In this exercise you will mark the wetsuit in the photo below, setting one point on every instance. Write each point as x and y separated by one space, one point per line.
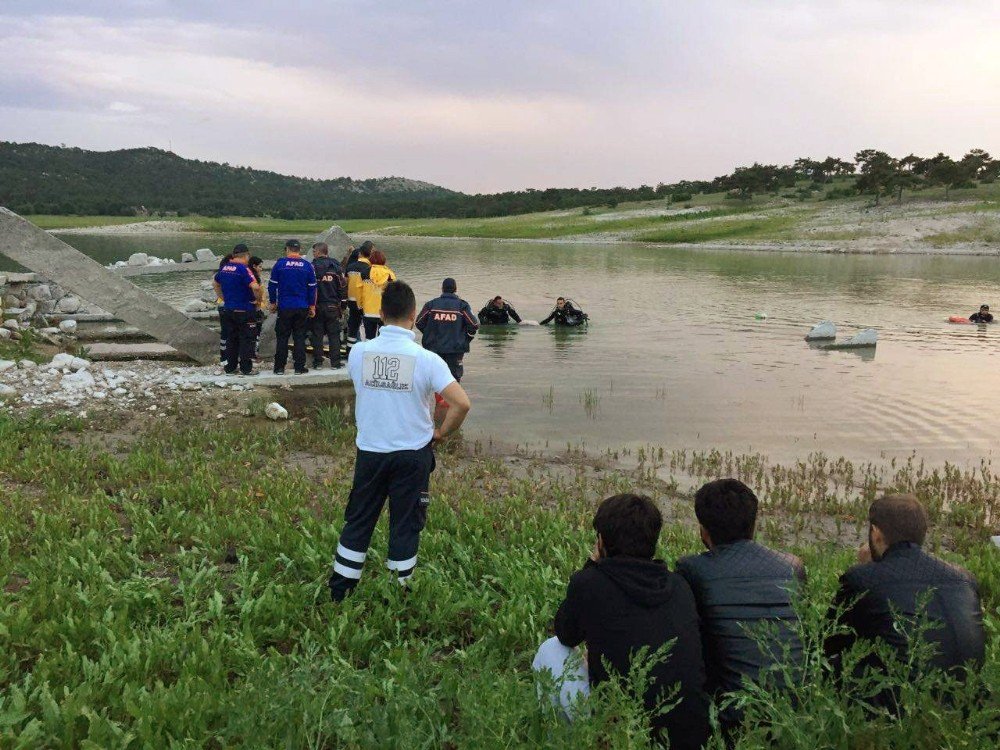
491 315
331 293
448 327
981 317
567 316
358 270
293 288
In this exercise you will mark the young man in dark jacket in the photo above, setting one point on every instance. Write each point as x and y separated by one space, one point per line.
331 296
358 269
896 584
291 291
744 593
448 327
622 601
565 314
496 312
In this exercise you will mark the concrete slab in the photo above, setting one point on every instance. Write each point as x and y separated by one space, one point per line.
37 250
122 352
268 378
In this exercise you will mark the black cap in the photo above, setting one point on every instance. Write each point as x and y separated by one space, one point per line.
241 249
293 243
449 285
984 307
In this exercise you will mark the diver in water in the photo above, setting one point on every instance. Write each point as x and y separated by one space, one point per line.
566 314
983 316
496 312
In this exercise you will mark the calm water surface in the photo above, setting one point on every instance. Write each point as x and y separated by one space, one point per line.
674 356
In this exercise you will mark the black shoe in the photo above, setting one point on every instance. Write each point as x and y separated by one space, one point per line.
227 371
303 371
336 365
317 364
279 372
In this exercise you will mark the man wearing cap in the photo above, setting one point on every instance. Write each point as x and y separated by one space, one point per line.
331 291
292 294
448 326
241 294
395 381
983 316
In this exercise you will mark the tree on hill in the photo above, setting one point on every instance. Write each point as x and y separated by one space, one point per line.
951 174
879 173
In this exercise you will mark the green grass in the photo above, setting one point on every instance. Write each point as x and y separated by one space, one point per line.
166 588
763 228
983 231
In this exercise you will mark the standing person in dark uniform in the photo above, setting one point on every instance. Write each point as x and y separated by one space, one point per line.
331 294
566 314
358 269
223 321
448 327
241 294
498 313
395 381
292 293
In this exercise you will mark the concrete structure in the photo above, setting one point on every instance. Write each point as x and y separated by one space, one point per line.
23 242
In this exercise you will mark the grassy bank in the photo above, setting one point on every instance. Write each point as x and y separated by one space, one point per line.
164 586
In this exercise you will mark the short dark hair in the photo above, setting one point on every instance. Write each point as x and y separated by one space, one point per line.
322 248
629 525
497 297
727 509
255 261
398 300
449 286
293 245
560 298
900 518
366 248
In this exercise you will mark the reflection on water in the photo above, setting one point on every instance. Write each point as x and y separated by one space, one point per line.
675 356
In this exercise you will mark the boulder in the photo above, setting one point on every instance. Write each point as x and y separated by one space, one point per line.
197 305
138 259
204 254
7 390
11 325
61 360
187 258
79 363
7 364
4 334
69 305
68 326
77 380
275 411
822 331
40 292
27 364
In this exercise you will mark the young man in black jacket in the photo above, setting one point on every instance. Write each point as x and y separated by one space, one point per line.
331 296
622 601
448 327
744 593
895 584
496 312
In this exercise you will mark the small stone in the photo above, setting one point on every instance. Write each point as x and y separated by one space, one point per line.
77 380
138 259
40 292
50 331
12 325
4 334
68 326
275 411
7 364
69 305
27 364
7 390
78 363
187 258
190 386
61 360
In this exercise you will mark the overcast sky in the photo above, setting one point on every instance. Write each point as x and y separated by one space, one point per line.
484 96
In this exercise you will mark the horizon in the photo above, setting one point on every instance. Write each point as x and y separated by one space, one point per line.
479 101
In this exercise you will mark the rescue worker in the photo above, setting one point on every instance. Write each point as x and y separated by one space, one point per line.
357 269
395 381
496 312
566 314
241 294
292 294
448 327
371 293
257 268
223 321
983 316
331 293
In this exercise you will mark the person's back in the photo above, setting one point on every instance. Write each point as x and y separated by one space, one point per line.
357 273
625 601
898 589
331 287
371 293
446 322
744 593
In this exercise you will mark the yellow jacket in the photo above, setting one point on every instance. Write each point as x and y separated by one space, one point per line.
370 298
357 272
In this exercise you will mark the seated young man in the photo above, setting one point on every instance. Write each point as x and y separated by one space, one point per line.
743 590
623 600
896 583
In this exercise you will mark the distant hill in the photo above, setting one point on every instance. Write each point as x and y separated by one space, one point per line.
56 180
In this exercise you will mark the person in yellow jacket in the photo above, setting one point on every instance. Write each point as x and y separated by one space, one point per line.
357 267
371 293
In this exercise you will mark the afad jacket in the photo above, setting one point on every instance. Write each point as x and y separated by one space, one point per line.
357 273
370 300
447 325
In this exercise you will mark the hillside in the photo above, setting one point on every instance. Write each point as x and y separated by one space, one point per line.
48 179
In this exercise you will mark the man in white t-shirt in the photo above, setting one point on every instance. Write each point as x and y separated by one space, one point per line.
395 380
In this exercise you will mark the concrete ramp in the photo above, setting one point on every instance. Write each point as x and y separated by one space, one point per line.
23 242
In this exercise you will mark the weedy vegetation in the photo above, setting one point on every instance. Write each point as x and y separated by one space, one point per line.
165 587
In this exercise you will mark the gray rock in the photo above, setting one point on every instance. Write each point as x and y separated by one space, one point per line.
77 380
69 304
4 334
204 254
68 326
7 364
61 360
6 390
40 292
138 259
276 411
12 325
27 364
46 306
822 331
187 258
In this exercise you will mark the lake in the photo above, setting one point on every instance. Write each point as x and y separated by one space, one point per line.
674 356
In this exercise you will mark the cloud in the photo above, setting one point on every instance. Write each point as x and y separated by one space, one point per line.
490 96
